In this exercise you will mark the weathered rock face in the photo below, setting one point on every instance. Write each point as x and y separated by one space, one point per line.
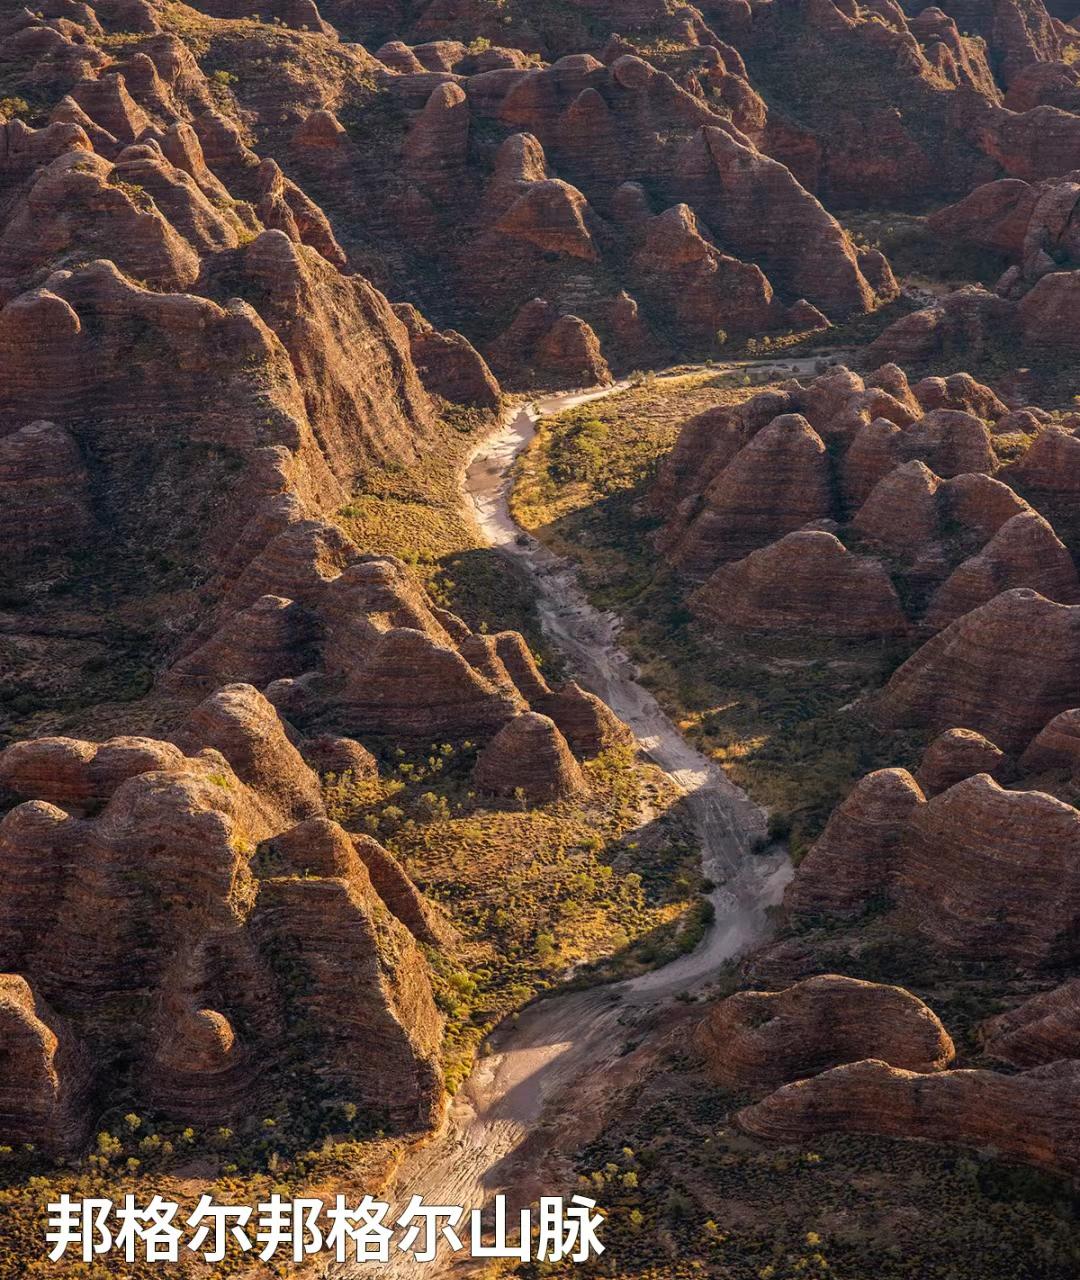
705 290
1044 1029
978 871
171 896
435 149
968 673
370 654
1051 467
325 321
529 755
327 754
586 722
860 144
773 485
413 686
1028 1117
1055 746
44 1073
80 775
400 895
969 320
368 988
555 347
448 364
1024 552
955 755
199 1071
1043 313
240 723
851 862
806 580
900 513
960 392
750 479
759 1040
269 640
565 210
1030 224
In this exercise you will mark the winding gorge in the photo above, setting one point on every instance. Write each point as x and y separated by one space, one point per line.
540 625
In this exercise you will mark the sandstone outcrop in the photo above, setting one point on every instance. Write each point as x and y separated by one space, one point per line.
448 364
1044 1029
971 320
759 1039
955 755
586 722
199 1072
705 290
328 754
240 723
961 393
1024 552
1049 468
44 1073
269 640
1028 1117
44 496
413 686
189 885
560 347
978 871
773 485
806 580
1055 746
851 862
435 149
968 673
80 775
529 755
930 534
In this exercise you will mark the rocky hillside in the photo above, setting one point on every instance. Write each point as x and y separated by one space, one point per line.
293 807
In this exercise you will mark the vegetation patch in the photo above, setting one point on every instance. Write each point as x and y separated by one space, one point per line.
785 715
